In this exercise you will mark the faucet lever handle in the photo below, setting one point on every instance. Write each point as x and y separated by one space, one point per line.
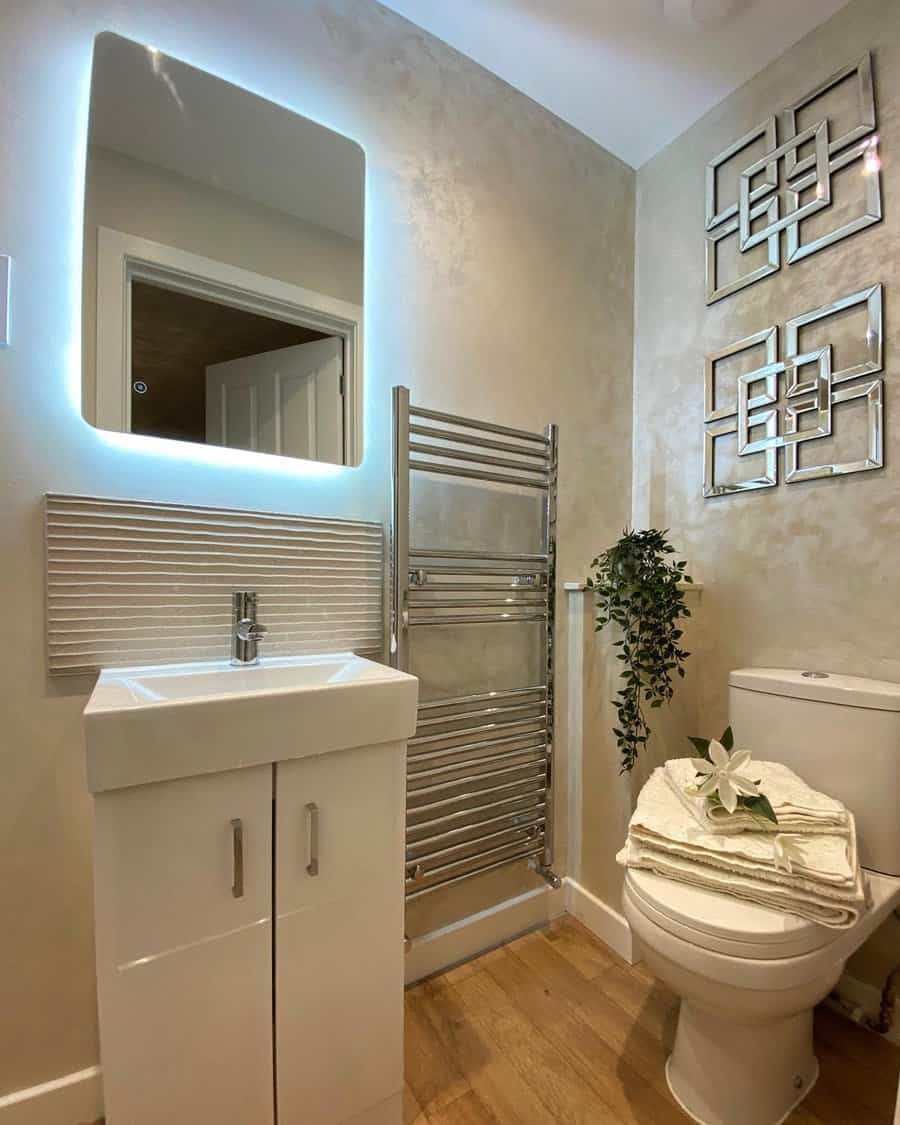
249 630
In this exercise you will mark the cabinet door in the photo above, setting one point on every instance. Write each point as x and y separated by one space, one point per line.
339 934
183 885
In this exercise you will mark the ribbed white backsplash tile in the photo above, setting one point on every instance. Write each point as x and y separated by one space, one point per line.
132 582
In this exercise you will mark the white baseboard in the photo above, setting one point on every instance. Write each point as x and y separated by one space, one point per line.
74 1099
465 939
609 925
857 995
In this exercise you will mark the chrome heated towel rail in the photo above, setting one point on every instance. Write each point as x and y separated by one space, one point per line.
480 767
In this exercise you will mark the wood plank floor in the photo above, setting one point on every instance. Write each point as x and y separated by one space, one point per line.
555 1028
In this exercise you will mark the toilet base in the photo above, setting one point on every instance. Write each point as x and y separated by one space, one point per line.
723 1073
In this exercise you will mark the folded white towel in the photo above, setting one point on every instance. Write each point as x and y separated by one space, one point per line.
826 883
834 914
660 821
798 806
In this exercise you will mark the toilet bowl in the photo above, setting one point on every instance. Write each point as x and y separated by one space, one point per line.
748 978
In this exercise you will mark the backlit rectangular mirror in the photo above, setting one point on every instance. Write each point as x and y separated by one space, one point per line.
223 264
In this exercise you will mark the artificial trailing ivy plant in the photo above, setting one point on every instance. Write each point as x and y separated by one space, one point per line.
638 587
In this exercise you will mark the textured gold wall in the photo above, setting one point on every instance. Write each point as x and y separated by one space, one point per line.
499 260
802 575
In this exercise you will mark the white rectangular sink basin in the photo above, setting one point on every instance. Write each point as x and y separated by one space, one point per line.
177 720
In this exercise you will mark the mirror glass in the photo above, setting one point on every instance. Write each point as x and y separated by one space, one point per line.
223 264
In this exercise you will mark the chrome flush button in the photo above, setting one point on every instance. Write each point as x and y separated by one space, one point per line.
814 675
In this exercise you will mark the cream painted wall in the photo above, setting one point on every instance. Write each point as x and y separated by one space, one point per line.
498 282
128 195
803 574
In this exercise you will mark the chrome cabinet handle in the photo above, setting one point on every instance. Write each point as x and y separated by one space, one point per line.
237 851
312 838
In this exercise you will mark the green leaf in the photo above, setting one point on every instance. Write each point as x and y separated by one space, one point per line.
759 806
701 745
727 739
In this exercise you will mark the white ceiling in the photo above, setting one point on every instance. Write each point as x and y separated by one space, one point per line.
631 74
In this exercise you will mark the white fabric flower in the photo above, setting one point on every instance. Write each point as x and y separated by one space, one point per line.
785 852
723 777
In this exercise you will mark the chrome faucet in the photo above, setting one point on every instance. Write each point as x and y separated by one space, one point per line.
246 632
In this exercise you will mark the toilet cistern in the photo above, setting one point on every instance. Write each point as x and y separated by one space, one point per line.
246 632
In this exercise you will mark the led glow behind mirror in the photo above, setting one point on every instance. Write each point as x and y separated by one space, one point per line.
223 264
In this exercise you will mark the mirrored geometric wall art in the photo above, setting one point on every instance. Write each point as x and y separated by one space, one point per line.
761 186
796 401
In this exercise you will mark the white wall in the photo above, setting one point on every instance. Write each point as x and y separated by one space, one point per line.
498 282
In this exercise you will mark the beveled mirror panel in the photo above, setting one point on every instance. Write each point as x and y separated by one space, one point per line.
223 264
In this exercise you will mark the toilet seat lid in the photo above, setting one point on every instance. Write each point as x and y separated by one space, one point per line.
723 923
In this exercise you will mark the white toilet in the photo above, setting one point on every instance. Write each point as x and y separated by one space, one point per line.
749 977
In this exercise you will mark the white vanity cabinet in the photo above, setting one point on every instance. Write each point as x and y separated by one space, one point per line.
249 921
184 968
338 936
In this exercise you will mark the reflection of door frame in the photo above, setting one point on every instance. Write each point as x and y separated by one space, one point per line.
123 258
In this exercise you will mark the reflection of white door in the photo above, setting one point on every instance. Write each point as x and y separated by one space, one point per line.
286 401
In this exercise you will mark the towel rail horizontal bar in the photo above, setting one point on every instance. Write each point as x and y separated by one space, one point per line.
502 726
525 834
490 806
461 716
483 443
530 709
476 424
533 754
474 587
537 777
536 768
495 556
484 571
469 874
534 734
458 863
476 458
528 793
477 474
484 603
532 816
479 619
505 693
487 743
435 599
513 837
